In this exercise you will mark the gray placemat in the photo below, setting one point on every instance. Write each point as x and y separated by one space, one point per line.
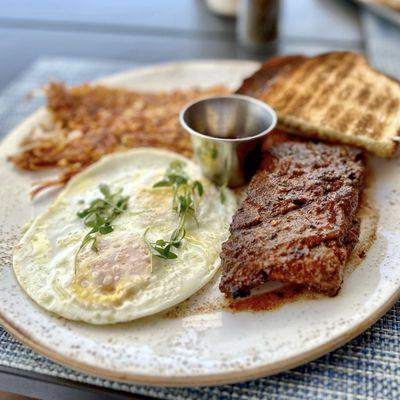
366 368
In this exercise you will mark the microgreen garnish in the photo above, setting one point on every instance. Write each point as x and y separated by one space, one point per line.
184 193
222 195
100 214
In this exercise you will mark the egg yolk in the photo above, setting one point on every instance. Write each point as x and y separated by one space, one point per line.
119 267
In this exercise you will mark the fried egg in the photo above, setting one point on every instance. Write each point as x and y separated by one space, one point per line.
122 280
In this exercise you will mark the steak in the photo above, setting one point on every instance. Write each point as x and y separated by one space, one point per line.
298 222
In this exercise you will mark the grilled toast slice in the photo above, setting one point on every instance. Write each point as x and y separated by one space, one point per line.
335 97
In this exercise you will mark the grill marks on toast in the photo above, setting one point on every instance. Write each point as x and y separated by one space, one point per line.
310 74
335 96
392 106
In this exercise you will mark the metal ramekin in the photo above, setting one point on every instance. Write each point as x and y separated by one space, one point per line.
226 132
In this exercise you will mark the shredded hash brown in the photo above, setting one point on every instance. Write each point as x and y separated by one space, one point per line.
89 121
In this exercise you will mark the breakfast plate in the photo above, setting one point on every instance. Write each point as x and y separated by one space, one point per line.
208 346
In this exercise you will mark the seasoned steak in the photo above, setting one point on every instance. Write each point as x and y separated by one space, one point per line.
298 222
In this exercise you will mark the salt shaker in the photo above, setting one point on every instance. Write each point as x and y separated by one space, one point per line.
257 24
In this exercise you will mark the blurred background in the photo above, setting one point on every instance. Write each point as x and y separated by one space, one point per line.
151 31
78 40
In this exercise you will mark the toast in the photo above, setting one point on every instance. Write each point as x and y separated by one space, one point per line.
335 97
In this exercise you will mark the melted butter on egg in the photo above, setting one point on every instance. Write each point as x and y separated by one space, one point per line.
162 218
39 245
121 266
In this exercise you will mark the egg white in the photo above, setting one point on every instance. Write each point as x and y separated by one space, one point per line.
44 259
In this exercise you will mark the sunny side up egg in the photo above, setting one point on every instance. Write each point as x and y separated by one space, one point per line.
122 281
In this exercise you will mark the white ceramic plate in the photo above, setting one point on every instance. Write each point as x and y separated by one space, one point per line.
204 348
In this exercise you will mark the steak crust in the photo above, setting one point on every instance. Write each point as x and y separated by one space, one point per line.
298 222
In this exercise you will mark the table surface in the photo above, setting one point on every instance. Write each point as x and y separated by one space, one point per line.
147 32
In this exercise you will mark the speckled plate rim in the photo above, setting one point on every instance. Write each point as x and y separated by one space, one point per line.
190 380
205 380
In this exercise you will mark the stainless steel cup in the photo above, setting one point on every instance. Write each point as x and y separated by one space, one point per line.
226 132
257 25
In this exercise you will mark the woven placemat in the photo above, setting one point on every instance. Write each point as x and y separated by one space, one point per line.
366 368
